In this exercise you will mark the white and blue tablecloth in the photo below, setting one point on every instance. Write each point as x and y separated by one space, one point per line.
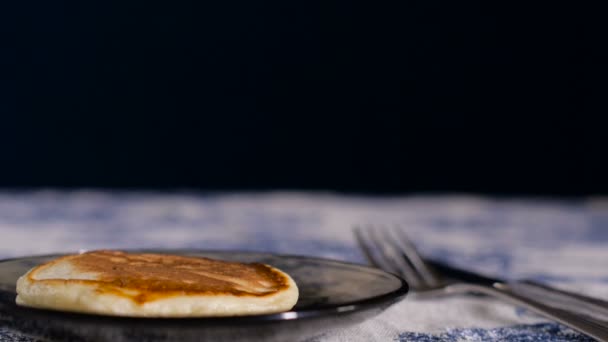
561 242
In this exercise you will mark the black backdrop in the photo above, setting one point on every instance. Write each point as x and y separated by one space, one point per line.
383 97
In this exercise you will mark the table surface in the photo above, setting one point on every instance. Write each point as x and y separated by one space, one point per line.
561 242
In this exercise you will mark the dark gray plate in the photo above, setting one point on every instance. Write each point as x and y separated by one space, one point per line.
332 294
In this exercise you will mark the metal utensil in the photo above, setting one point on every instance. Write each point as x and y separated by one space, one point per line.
595 308
389 249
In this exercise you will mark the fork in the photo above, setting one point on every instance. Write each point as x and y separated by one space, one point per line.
391 251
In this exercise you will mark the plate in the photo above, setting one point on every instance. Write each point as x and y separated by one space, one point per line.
332 294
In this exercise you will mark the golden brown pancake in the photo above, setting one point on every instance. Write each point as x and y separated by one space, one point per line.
119 283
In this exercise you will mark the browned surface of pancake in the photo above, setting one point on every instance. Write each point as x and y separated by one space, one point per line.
146 277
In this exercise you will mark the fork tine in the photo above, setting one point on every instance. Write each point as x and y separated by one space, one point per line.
388 258
366 247
391 252
411 253
370 247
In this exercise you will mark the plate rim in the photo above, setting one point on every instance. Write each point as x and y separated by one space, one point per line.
340 309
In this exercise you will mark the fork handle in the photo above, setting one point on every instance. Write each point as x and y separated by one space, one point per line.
564 299
588 326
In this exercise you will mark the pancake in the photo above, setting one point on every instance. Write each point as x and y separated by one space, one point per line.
156 285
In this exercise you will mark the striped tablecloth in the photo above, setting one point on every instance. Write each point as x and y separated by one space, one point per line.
561 242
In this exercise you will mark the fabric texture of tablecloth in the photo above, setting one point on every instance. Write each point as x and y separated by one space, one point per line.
561 242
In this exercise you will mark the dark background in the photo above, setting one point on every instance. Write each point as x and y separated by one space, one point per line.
357 96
